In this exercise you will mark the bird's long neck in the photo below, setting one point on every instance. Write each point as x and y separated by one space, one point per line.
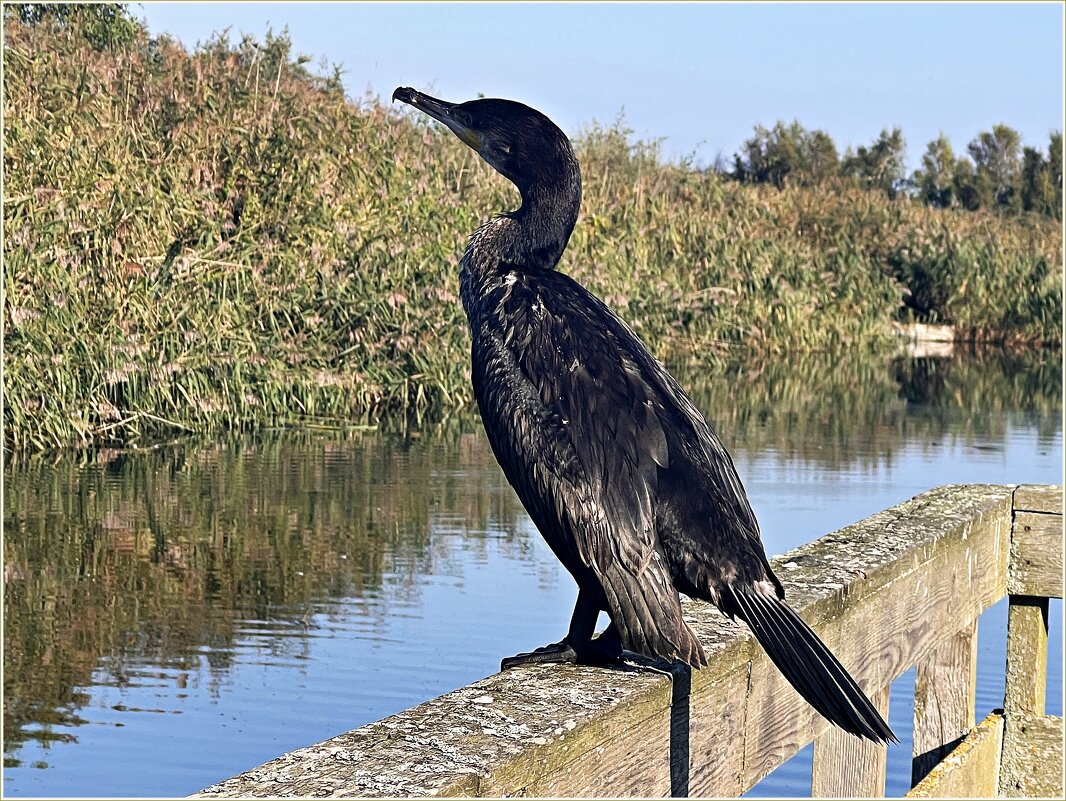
532 238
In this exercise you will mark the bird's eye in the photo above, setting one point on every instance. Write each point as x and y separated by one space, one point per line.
463 118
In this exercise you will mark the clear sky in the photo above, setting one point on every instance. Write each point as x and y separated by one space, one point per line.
700 75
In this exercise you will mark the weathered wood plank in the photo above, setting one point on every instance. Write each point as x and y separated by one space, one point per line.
716 738
881 624
971 770
944 699
847 767
882 593
1036 555
1026 681
537 719
1031 765
1045 498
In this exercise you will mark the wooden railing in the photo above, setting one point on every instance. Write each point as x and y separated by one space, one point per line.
1015 751
901 589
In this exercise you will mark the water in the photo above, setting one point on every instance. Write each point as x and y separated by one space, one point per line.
177 616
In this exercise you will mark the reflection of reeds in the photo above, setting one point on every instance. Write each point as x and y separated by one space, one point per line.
146 558
188 248
851 410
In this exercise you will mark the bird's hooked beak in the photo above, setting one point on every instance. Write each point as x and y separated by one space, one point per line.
442 111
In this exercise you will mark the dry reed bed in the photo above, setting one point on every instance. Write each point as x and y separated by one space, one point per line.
221 240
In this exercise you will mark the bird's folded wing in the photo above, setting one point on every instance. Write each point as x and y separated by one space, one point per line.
589 386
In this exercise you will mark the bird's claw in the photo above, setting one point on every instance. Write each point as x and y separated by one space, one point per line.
602 650
556 652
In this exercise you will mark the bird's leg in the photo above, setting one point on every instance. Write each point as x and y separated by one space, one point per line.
582 624
605 649
578 645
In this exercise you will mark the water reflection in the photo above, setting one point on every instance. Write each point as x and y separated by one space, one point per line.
164 557
206 586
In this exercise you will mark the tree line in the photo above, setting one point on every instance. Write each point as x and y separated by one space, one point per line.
997 172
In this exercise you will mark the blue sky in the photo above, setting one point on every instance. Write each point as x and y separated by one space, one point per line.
700 75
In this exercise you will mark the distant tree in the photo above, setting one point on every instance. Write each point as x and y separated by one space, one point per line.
1036 190
964 183
997 166
1041 179
935 181
104 25
1054 150
786 154
822 159
768 157
880 166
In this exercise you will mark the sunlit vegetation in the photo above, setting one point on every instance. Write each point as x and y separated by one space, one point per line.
223 240
997 174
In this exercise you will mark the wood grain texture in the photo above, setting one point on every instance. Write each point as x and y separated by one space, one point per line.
716 737
1031 765
847 767
883 593
944 699
1026 681
1036 555
1038 498
972 768
916 605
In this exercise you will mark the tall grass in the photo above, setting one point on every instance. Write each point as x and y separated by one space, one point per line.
221 239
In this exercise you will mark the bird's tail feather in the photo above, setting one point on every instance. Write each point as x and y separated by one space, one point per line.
810 667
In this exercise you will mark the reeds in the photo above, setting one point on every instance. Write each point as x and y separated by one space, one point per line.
222 240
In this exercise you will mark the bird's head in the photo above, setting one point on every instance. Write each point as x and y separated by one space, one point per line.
519 142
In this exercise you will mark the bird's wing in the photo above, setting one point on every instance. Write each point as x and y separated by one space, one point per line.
593 391
582 374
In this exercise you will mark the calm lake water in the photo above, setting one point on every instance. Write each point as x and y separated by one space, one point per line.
175 617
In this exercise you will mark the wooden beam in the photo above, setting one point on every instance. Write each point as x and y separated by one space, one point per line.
1036 555
847 767
1031 765
1026 681
971 770
1032 743
1045 498
944 699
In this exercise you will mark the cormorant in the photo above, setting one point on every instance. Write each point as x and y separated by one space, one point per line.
615 465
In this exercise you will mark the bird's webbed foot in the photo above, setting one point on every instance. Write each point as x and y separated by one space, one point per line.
605 649
556 652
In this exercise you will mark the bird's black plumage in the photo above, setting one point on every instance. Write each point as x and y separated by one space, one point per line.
617 468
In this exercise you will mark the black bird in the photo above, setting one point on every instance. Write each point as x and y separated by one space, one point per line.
615 465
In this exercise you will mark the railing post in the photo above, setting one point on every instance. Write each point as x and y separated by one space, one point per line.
944 699
847 767
1024 693
1026 684
1035 573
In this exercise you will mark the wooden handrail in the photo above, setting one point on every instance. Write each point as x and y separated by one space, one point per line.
901 588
